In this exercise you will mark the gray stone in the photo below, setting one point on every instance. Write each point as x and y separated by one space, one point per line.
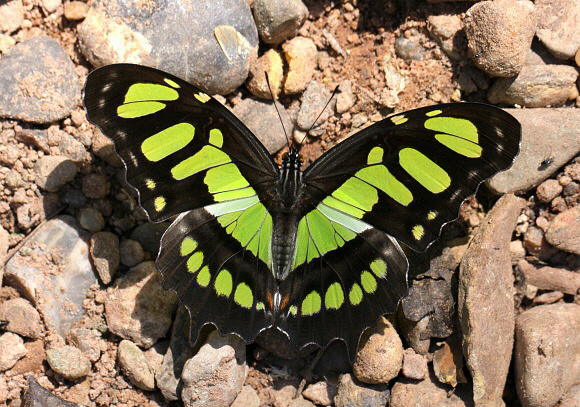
11 349
95 186
57 288
216 374
278 20
138 308
4 245
447 30
500 34
135 366
564 231
218 60
154 355
52 172
546 133
313 101
91 219
149 235
546 353
38 81
11 16
105 255
410 48
536 86
428 392
352 393
262 119
75 199
23 319
380 355
68 362
89 341
38 396
33 137
486 304
558 27
168 375
131 252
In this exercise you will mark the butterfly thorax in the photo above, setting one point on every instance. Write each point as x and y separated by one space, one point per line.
286 214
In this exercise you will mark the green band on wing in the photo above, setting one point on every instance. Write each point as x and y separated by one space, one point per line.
150 91
194 262
216 138
243 296
139 109
375 156
368 282
424 170
188 245
203 276
357 193
168 141
224 178
379 268
461 128
355 295
334 296
460 145
311 304
343 207
380 177
207 157
223 283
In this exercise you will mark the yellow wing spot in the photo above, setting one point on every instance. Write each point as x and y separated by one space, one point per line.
311 304
375 156
431 215
171 83
293 310
223 283
260 306
356 295
188 245
399 119
216 138
202 97
194 262
159 203
433 113
203 276
418 232
150 184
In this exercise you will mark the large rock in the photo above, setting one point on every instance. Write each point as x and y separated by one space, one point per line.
486 305
547 353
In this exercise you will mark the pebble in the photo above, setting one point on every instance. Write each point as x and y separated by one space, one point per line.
448 362
154 355
564 231
13 180
103 147
536 86
500 33
131 253
75 199
168 374
89 341
546 338
52 172
11 16
149 235
346 98
56 270
380 355
11 349
322 393
300 402
548 298
105 255
271 63
536 244
4 246
571 398
410 49
23 319
247 398
218 61
278 20
428 392
216 374
548 190
544 131
38 396
91 219
95 186
134 365
300 54
75 10
138 308
68 362
414 365
50 5
66 145
485 301
414 333
313 101
32 362
42 68
558 26
446 30
262 119
34 137
352 393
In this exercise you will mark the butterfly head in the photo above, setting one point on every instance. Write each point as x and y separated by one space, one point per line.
292 159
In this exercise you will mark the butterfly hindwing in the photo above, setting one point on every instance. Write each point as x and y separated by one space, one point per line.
173 137
407 175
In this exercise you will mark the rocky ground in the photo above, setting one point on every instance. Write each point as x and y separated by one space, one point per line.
493 313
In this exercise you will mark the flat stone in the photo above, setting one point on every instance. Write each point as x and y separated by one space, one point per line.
53 271
23 319
247 398
322 393
138 308
32 362
68 362
500 34
428 392
38 81
38 396
105 254
564 231
216 374
313 101
546 341
352 393
558 26
91 219
11 16
278 20
135 366
11 349
414 365
485 302
218 60
52 172
546 133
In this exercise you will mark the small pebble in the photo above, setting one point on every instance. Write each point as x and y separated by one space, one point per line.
91 219
68 361
95 186
76 10
134 365
11 349
548 190
132 252
105 254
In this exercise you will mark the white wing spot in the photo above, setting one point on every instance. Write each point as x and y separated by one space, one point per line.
499 148
106 88
133 159
101 103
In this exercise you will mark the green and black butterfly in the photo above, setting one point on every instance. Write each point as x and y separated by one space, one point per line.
314 253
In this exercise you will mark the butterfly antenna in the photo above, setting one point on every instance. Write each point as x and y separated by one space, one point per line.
320 114
277 111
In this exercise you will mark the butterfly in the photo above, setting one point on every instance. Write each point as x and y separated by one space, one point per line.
313 253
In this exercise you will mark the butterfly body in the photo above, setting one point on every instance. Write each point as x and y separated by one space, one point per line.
313 253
